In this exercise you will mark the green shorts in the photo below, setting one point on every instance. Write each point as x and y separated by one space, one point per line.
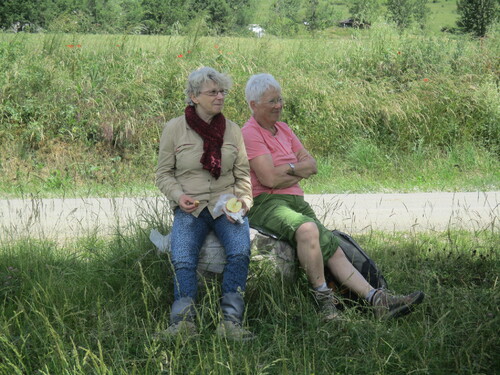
282 214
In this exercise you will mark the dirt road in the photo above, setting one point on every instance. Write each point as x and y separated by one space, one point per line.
352 213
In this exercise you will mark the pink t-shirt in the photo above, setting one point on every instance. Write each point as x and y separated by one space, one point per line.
282 147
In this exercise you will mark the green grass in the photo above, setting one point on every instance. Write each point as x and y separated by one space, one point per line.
94 306
367 169
381 111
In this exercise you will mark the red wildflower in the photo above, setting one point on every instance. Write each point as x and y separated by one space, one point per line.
189 51
216 46
181 55
79 45
399 52
70 45
426 79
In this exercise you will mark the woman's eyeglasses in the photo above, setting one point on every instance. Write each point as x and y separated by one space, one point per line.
215 92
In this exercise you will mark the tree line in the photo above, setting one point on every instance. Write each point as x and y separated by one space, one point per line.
121 16
226 17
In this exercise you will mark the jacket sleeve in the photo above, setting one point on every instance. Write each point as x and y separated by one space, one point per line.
241 170
165 171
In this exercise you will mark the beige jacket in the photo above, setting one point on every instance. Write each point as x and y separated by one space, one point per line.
180 172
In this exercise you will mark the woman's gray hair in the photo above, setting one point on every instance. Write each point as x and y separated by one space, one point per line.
258 84
199 77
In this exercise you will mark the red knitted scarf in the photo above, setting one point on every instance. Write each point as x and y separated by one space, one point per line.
213 138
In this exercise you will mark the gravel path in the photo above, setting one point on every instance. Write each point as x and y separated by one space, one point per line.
353 213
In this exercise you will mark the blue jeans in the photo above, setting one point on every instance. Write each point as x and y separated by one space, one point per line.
189 233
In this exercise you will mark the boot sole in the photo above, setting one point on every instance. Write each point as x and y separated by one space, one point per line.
236 338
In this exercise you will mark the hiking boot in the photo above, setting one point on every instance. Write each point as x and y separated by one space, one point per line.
230 327
327 304
233 331
387 306
184 329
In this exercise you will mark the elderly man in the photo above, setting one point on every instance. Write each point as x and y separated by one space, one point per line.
278 162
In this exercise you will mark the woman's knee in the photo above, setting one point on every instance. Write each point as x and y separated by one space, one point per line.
239 250
235 238
185 250
241 259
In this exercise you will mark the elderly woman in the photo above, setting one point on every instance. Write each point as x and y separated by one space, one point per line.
202 156
278 162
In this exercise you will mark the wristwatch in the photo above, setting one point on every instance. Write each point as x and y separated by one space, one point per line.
292 166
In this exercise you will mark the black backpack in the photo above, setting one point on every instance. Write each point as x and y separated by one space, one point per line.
361 261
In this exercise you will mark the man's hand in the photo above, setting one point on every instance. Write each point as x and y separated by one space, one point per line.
306 164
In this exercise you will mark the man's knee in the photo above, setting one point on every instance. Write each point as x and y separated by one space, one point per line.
338 254
307 232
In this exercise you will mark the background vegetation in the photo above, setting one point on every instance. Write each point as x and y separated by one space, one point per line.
397 110
232 17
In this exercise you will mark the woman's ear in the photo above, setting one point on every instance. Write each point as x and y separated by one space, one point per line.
194 99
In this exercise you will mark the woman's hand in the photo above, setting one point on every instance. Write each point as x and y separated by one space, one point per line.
243 207
188 204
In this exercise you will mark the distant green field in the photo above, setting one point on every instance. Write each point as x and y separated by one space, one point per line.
442 13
